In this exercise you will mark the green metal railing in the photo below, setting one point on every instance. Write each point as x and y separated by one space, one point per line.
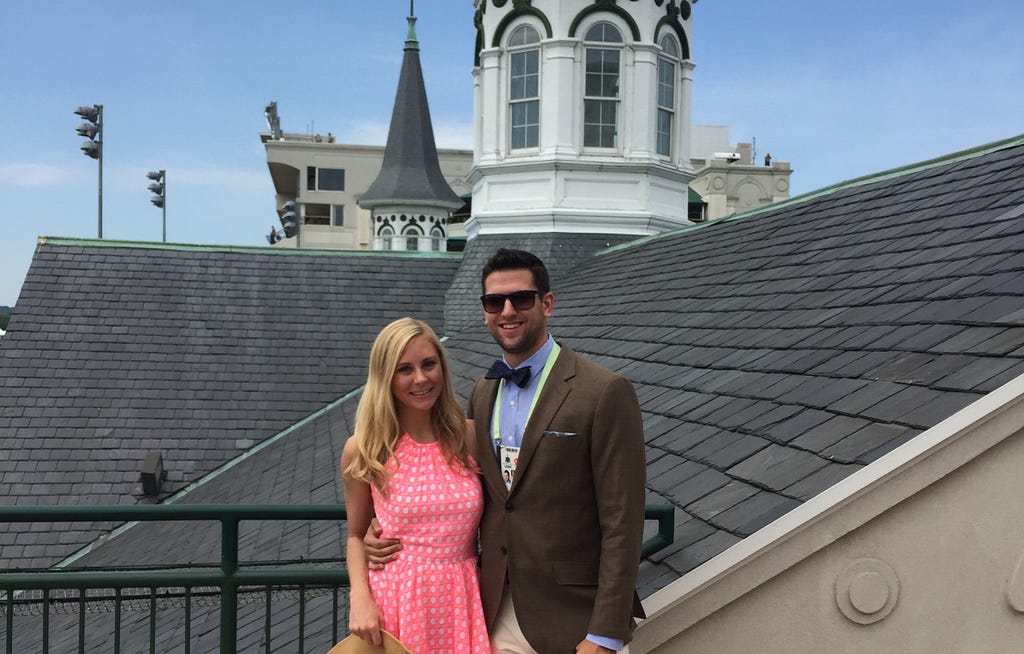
665 514
228 578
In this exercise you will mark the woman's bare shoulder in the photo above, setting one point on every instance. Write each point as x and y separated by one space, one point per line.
348 452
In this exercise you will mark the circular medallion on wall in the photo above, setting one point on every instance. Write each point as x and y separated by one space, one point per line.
867 590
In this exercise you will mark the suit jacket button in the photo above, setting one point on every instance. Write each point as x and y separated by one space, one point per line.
504 550
508 507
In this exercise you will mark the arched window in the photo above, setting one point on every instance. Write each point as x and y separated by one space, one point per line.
412 237
436 236
601 86
666 94
524 87
385 237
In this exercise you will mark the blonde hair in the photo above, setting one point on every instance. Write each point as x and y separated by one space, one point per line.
377 429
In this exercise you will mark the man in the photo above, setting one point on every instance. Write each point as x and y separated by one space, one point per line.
562 456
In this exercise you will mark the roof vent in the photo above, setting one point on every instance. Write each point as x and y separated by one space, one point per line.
153 473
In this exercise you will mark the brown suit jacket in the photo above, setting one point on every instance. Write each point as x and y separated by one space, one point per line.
567 535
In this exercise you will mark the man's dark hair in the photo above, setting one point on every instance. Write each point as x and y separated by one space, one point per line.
505 259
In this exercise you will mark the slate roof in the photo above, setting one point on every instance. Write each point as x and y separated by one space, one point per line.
118 349
774 353
777 352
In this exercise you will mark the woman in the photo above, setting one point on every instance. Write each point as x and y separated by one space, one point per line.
409 464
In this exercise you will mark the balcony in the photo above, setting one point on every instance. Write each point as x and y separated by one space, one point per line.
191 607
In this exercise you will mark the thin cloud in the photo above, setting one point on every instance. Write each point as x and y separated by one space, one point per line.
34 175
447 134
454 134
826 112
221 177
365 132
132 177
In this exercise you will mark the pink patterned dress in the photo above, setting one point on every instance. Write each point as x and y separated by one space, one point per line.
430 596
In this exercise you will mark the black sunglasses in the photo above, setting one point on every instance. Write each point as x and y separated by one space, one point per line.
521 301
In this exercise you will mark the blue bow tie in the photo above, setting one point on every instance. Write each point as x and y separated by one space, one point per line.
518 376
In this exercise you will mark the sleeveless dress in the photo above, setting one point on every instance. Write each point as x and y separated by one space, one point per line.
430 596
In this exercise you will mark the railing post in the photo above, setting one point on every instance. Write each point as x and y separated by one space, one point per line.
188 620
665 515
152 620
81 620
10 620
117 621
302 618
266 627
229 589
46 621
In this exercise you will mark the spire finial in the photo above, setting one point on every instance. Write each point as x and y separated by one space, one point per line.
411 43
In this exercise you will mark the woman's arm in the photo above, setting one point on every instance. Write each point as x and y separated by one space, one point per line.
364 618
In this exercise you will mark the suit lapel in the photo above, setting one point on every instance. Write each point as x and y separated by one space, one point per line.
556 388
485 442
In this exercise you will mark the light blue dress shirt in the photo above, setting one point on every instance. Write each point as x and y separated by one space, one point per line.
514 402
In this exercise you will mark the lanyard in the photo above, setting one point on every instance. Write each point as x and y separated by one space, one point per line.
496 420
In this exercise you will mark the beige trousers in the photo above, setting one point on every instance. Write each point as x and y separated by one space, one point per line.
508 638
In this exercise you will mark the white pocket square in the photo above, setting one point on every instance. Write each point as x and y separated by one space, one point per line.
559 434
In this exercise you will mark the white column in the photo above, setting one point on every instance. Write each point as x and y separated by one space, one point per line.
561 105
643 88
684 134
492 93
478 125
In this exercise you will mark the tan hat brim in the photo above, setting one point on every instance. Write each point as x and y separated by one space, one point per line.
353 644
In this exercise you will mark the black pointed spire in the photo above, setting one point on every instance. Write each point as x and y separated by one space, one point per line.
410 173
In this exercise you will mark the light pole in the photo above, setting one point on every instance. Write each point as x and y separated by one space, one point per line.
159 189
93 147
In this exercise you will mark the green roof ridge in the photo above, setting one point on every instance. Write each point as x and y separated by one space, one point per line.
251 249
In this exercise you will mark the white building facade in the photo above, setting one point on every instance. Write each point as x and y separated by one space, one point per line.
327 180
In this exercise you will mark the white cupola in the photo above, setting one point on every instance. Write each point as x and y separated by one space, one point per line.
582 113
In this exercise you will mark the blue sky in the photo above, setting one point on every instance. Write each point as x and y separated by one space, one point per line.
839 89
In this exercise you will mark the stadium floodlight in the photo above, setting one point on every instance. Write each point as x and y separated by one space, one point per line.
159 190
92 147
290 219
